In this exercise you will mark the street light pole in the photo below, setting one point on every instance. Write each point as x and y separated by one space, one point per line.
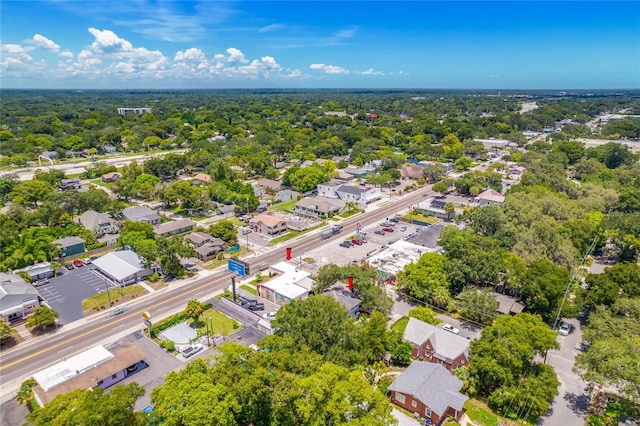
106 285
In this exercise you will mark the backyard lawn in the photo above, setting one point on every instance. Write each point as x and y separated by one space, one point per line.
400 325
221 323
287 206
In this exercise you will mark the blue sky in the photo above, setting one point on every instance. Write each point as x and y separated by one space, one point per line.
330 44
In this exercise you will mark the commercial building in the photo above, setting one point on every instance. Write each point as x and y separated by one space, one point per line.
93 368
315 207
289 283
122 267
17 297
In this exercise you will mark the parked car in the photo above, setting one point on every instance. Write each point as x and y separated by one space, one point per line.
78 263
38 283
246 231
192 350
269 316
256 307
345 244
450 328
387 229
404 228
379 232
69 267
356 242
87 261
564 329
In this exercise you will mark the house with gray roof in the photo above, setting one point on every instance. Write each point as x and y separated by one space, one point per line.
430 391
70 245
141 214
174 227
319 206
17 297
205 245
346 298
93 220
434 344
358 194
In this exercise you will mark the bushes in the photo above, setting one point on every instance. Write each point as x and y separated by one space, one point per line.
169 322
96 246
169 345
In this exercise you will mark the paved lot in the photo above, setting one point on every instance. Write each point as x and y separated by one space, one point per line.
429 235
66 293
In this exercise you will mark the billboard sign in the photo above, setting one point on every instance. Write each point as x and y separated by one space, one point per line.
238 266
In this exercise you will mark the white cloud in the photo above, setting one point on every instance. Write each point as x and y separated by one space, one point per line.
45 43
272 27
371 71
270 63
190 55
14 56
345 33
329 69
236 55
107 41
66 54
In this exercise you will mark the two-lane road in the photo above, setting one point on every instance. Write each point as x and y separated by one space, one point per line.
24 360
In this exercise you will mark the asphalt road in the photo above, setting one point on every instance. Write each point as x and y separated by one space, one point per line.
23 360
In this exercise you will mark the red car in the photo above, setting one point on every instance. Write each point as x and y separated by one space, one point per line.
387 229
78 263
356 242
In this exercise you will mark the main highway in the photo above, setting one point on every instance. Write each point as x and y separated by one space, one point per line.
22 361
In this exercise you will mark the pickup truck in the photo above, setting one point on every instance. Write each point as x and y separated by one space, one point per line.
252 305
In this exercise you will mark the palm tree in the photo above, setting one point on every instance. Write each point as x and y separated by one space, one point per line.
450 209
350 205
440 297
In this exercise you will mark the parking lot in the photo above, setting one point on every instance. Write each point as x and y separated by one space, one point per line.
334 253
65 293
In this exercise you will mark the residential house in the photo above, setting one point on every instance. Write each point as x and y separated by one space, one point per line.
360 195
175 227
328 189
411 171
110 177
93 220
205 246
70 245
490 196
345 297
141 214
70 184
435 344
109 149
226 210
17 297
286 195
508 304
430 391
357 172
270 185
517 171
268 224
121 268
319 206
288 284
202 179
136 111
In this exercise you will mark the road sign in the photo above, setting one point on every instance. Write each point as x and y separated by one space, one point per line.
237 267
147 323
146 315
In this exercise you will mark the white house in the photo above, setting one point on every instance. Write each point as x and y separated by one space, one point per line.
17 298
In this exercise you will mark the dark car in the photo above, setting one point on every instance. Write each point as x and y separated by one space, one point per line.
69 267
345 244
256 307
379 232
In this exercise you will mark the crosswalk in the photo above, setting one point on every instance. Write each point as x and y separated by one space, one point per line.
262 250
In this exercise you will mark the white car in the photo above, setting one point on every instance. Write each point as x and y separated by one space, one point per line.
564 329
450 328
269 316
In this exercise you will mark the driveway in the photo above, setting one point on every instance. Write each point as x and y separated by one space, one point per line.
571 405
66 293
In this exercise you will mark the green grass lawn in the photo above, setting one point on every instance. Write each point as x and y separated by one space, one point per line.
221 323
250 288
415 216
286 237
287 206
349 214
400 325
480 414
102 299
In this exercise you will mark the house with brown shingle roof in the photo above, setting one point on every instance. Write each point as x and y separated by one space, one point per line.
268 224
269 185
202 179
490 196
411 171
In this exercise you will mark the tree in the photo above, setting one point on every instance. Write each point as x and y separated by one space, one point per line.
5 330
450 209
194 309
31 191
441 187
479 305
43 316
170 251
612 356
621 280
463 163
225 230
25 394
543 290
422 278
425 314
92 406
434 172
